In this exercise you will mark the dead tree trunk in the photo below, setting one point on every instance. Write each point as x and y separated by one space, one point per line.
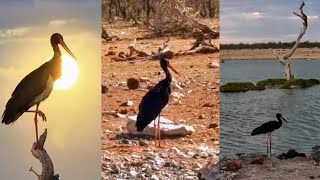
47 165
282 59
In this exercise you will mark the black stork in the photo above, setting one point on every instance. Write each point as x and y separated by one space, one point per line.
268 128
155 100
36 86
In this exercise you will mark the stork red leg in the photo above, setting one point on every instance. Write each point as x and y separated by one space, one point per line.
36 121
270 144
159 129
155 133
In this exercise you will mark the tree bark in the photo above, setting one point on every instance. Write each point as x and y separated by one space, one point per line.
41 154
282 59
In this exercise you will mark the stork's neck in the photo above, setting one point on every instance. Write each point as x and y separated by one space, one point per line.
280 120
168 75
56 51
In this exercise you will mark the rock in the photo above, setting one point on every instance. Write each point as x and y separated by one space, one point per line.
113 113
133 83
208 105
213 125
149 87
128 103
125 141
111 53
315 154
203 154
177 95
119 115
291 154
166 128
143 143
197 166
201 116
176 102
133 173
144 79
213 65
104 89
233 165
119 129
154 177
258 160
190 153
115 169
123 111
175 150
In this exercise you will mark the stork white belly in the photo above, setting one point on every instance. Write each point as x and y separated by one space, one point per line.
45 94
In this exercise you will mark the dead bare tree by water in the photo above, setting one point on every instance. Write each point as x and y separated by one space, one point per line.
283 59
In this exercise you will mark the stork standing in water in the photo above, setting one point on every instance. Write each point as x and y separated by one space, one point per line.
268 128
155 100
36 86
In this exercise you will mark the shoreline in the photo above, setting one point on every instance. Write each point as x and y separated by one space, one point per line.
267 54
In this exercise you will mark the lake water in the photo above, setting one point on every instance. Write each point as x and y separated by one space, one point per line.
242 112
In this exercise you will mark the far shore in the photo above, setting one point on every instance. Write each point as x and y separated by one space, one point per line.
267 54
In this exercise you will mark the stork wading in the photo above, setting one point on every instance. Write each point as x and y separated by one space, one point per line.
268 128
36 86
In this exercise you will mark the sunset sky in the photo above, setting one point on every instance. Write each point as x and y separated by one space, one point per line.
74 114
267 20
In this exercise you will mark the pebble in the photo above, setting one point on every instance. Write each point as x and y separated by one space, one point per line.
144 79
201 116
133 173
154 177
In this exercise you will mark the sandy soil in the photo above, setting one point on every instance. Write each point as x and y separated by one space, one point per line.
204 84
245 54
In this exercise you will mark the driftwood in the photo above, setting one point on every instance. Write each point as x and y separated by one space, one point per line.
282 59
47 166
200 46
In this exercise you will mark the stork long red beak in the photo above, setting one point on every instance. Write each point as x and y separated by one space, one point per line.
174 70
63 44
284 119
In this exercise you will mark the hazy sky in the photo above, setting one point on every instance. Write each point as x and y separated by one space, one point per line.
74 114
267 20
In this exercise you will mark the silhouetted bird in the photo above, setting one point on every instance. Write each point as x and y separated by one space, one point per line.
36 86
267 128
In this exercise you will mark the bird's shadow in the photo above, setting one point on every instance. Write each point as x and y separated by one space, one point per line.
130 136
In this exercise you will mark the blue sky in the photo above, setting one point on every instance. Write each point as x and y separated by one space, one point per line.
74 118
267 20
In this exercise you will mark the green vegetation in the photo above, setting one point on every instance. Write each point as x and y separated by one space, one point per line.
269 84
270 45
237 87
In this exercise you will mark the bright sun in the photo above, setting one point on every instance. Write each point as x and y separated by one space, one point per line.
70 73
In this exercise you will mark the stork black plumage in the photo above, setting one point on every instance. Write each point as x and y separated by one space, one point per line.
155 100
268 128
36 86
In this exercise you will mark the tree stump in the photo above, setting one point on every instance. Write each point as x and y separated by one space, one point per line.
41 154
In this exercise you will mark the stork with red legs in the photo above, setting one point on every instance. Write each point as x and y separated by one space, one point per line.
268 128
155 100
36 86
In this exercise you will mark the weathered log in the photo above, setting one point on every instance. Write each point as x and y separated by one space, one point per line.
47 166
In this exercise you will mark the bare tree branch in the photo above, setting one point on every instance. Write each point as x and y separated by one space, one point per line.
40 153
281 59
302 32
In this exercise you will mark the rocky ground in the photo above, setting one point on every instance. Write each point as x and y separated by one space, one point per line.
127 156
258 166
247 54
